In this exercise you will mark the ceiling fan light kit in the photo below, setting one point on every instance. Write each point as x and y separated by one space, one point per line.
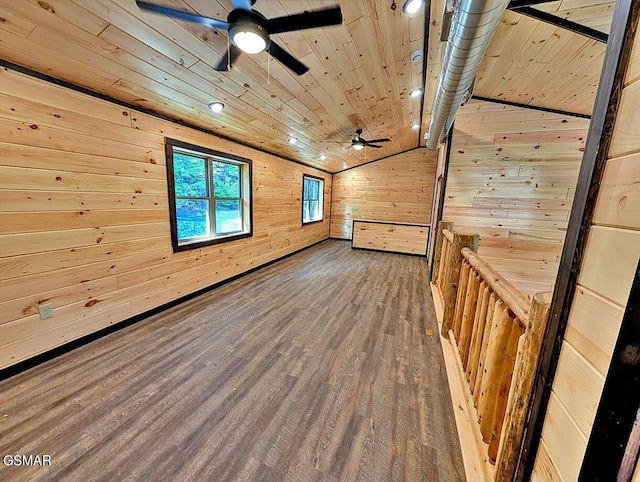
249 36
249 30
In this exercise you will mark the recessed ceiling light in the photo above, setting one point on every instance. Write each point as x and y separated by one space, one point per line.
416 92
323 157
344 166
412 6
415 126
417 56
292 140
216 107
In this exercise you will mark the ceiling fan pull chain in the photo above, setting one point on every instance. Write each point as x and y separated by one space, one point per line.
228 53
269 70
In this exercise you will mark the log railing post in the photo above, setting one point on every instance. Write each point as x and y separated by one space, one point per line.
450 291
442 225
520 393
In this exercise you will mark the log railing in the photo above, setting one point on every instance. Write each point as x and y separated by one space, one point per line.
497 333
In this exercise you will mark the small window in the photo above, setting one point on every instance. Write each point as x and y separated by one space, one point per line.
312 199
209 195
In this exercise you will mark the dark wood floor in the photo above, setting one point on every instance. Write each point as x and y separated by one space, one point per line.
325 366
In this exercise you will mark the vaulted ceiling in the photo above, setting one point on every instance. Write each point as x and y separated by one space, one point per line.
361 72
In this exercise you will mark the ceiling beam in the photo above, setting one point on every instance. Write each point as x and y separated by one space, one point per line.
513 4
589 32
527 106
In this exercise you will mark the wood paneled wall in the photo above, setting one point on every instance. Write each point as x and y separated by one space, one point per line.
84 218
397 189
511 179
392 237
608 268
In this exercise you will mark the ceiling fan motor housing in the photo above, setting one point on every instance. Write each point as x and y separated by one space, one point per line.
247 21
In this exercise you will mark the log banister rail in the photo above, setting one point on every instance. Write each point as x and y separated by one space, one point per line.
514 299
496 333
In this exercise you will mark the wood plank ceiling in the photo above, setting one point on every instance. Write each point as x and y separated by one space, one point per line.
360 74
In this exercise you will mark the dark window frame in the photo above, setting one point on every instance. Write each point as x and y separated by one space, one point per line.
320 202
246 193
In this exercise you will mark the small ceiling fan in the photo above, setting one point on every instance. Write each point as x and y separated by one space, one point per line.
249 30
358 143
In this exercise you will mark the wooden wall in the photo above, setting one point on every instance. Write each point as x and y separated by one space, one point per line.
608 268
396 189
511 179
84 220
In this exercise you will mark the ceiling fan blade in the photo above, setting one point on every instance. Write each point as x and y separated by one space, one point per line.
242 4
371 145
287 59
302 21
229 58
182 15
379 140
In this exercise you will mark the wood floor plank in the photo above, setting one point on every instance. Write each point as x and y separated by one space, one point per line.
322 367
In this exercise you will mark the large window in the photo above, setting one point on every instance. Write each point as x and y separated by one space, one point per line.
312 199
209 194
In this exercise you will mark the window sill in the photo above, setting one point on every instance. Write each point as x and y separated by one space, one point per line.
211 241
305 223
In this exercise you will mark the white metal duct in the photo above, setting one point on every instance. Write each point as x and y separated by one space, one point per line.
472 27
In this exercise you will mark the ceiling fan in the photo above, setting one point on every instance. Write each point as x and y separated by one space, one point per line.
358 143
249 30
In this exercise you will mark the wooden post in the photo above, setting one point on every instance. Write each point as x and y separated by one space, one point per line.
453 274
438 248
477 335
445 256
468 316
461 295
505 382
483 348
496 351
520 393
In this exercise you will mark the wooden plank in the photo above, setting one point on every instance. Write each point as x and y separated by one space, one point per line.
26 347
563 439
593 327
578 387
27 133
625 138
39 263
615 252
11 223
544 470
618 198
633 70
25 200
39 114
